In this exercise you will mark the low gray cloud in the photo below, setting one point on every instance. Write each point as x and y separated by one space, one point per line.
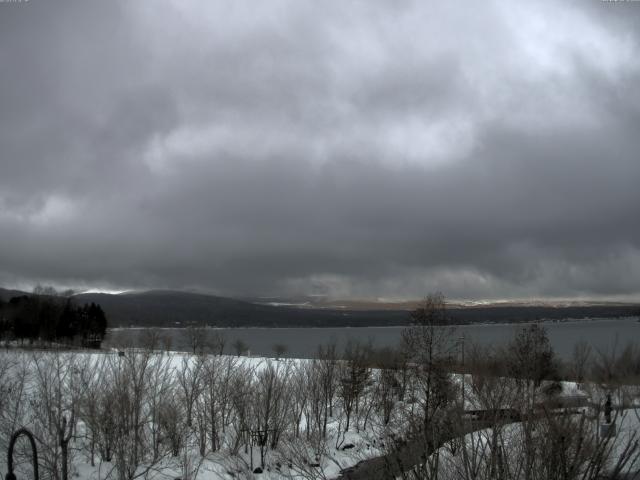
351 148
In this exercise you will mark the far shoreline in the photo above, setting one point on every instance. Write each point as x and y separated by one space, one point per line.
630 318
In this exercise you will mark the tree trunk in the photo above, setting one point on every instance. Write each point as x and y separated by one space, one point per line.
64 447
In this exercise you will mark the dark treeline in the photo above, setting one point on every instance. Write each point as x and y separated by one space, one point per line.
52 318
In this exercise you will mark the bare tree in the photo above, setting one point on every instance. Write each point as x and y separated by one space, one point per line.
218 378
531 358
328 358
279 349
153 339
353 377
241 397
301 375
55 402
271 397
217 341
580 361
171 426
129 393
161 385
429 344
240 347
316 407
189 376
14 380
196 339
91 378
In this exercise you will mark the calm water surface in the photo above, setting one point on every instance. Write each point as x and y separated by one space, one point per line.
602 334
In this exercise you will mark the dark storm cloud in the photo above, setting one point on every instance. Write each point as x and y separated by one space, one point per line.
351 149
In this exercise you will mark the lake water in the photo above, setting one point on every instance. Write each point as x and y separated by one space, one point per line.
601 334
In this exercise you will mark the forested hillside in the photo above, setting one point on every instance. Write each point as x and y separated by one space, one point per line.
51 319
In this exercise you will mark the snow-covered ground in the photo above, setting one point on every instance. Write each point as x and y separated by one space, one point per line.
300 453
294 457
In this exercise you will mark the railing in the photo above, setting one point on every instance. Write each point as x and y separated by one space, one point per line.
34 454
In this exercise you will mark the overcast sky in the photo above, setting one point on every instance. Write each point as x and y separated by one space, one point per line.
349 148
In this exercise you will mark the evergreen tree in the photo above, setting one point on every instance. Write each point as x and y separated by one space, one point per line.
67 323
43 317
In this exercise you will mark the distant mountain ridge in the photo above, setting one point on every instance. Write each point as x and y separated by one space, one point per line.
6 294
168 308
176 309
